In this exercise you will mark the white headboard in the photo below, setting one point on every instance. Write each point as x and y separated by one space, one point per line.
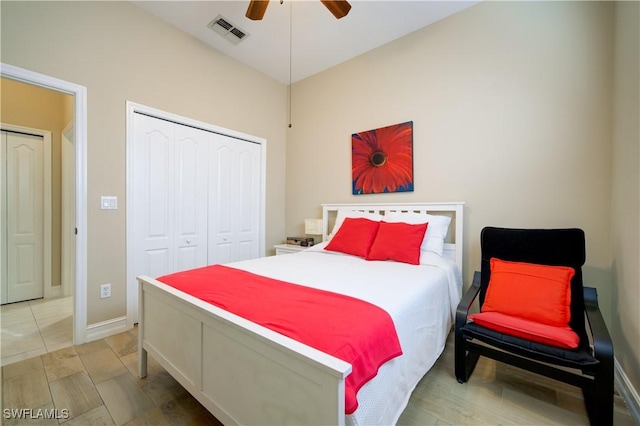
453 243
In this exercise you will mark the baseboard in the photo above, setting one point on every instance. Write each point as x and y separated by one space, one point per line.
103 329
627 391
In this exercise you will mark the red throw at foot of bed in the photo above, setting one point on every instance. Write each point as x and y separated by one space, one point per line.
350 329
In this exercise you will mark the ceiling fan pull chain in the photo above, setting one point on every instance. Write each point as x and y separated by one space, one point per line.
290 56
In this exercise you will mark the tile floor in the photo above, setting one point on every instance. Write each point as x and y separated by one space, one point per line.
97 383
35 327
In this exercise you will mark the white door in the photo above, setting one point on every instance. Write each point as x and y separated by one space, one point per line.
234 202
170 193
190 208
23 217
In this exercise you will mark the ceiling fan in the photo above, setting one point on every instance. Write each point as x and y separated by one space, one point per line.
256 9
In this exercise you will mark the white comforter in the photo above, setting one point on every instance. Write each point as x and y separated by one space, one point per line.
420 299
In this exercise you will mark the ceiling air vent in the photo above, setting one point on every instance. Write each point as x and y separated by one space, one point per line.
226 29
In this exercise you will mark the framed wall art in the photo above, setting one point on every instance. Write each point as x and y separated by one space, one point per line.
382 160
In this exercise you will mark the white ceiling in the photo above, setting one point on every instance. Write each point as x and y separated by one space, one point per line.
319 41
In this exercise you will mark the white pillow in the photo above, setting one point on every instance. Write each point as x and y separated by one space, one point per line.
343 214
436 230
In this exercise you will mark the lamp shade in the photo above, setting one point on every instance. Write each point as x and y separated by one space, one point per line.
313 226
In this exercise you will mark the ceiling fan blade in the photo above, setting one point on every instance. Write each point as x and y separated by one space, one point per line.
339 8
256 9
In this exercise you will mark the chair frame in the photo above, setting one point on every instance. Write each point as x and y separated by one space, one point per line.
596 382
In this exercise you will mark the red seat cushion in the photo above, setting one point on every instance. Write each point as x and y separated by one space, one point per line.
399 242
538 293
563 337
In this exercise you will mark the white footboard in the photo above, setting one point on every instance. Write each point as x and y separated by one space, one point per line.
241 372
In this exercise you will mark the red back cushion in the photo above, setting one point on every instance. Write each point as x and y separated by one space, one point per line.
399 242
537 293
354 237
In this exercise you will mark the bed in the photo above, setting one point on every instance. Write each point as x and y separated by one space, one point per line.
244 373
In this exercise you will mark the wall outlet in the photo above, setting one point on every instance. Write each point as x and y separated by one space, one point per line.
105 291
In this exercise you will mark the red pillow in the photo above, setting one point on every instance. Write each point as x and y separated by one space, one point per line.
562 337
533 292
354 237
398 241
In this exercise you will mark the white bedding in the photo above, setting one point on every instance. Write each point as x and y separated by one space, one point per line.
421 299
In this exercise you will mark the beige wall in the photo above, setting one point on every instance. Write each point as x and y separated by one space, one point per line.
120 53
626 190
512 109
38 108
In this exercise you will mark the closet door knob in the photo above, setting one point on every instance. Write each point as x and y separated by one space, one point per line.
188 241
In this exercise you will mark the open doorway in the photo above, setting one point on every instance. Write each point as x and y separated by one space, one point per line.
68 277
36 295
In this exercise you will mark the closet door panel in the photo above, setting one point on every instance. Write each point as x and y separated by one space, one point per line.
224 253
234 200
191 182
222 212
157 262
247 201
155 227
156 188
153 192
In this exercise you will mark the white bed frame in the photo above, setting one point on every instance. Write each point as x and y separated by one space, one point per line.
244 373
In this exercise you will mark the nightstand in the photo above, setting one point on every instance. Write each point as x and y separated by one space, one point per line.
287 248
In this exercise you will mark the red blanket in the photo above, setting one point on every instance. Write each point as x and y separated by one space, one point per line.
350 329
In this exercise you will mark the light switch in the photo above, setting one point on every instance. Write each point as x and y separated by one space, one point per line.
108 203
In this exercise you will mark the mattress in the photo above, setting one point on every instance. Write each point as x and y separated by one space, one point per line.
421 300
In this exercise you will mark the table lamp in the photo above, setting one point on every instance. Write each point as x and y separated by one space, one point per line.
313 227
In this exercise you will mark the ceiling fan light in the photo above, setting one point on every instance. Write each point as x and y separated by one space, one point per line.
339 8
256 9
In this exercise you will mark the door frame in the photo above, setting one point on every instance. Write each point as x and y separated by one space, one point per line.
79 94
67 239
136 108
47 290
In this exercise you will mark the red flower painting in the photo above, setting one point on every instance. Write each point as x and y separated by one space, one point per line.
382 159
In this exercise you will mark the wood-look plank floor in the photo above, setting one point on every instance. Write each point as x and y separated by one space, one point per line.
97 383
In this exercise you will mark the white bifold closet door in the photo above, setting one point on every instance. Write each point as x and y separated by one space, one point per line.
196 197
170 205
234 196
